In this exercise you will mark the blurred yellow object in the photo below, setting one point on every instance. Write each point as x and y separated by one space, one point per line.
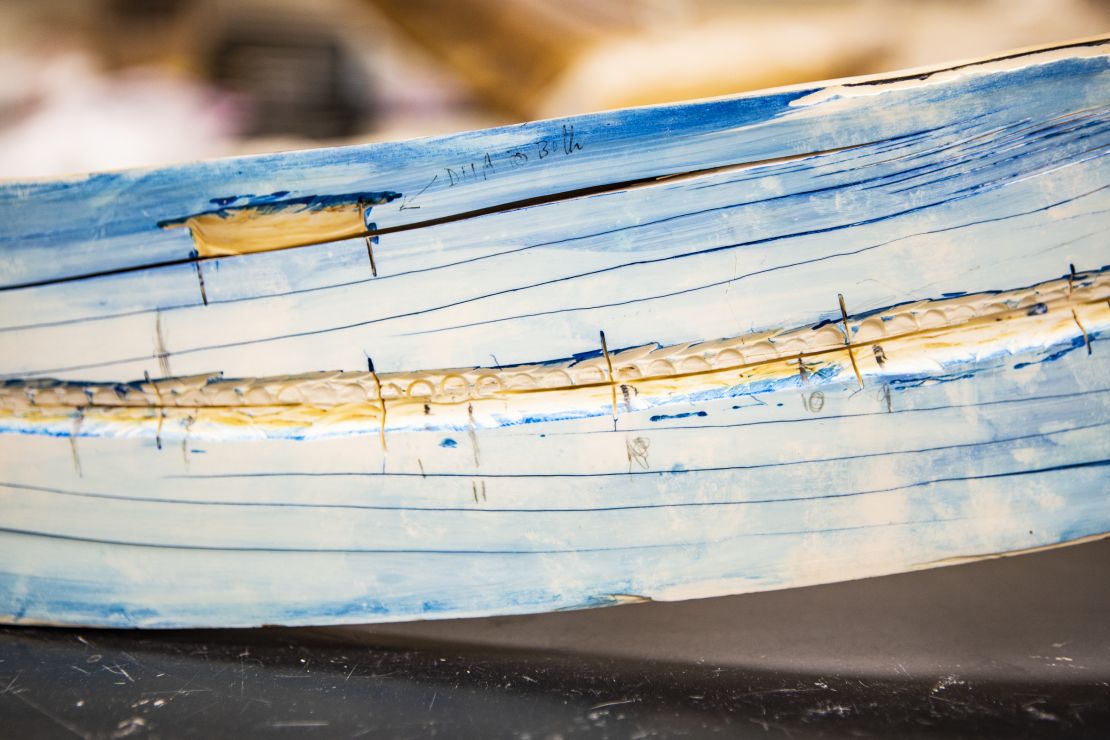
537 58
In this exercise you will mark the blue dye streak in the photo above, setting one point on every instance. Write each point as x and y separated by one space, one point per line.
662 417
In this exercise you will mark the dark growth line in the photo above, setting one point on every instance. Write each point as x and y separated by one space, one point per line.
926 74
738 278
514 205
492 255
433 309
624 473
920 484
563 510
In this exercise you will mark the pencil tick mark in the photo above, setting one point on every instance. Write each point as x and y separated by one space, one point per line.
186 426
472 432
74 434
803 373
612 379
381 401
848 338
370 255
160 352
161 409
1082 330
200 282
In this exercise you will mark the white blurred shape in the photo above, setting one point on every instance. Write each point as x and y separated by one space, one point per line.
59 115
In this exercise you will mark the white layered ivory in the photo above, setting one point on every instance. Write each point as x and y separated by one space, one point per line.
806 335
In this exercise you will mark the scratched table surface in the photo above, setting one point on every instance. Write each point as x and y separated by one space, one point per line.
1017 647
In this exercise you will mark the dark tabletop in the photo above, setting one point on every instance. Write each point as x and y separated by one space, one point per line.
1014 647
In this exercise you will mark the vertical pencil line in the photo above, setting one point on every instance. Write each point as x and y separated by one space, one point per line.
848 338
612 378
381 401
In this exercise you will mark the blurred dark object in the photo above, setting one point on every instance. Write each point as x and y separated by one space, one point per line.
291 70
147 11
292 81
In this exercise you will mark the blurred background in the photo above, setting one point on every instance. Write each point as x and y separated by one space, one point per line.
104 84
